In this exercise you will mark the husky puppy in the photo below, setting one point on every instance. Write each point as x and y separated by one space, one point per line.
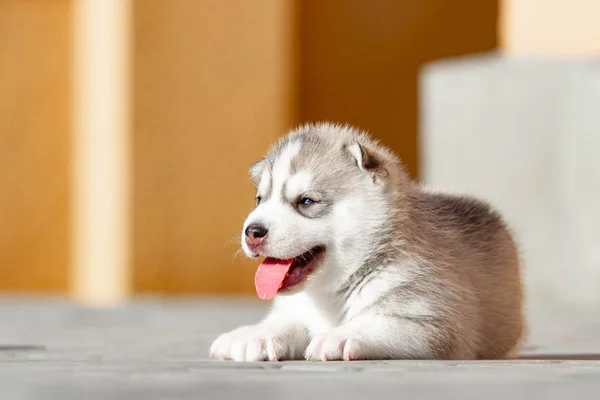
363 263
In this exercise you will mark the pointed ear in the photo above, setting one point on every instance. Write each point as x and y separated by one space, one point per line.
367 161
256 170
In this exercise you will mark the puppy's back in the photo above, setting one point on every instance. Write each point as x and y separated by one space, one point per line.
477 236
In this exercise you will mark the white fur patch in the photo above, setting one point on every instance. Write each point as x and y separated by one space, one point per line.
281 168
263 186
303 308
298 184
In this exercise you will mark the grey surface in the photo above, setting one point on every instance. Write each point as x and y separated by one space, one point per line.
53 349
524 133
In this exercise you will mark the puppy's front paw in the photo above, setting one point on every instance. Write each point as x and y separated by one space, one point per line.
334 346
261 343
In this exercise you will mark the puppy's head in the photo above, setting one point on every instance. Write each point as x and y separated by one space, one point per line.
323 192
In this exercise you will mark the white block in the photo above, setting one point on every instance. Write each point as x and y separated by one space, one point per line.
524 134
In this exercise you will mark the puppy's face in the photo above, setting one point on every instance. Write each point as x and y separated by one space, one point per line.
312 205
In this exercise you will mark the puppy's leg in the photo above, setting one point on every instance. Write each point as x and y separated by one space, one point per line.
271 340
378 337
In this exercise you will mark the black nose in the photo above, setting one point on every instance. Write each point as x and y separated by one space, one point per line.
256 231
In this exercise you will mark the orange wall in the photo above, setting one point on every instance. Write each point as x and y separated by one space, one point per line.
214 83
360 59
213 87
34 145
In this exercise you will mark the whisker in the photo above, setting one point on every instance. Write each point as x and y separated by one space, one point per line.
239 252
235 240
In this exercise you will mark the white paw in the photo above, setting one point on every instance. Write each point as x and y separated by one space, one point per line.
336 347
260 343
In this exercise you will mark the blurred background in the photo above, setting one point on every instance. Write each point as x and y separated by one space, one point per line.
127 128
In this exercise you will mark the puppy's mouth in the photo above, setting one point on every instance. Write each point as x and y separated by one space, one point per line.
302 266
275 275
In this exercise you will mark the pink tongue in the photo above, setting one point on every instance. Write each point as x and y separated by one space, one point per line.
269 277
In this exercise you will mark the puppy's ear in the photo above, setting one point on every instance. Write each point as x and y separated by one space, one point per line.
256 170
368 162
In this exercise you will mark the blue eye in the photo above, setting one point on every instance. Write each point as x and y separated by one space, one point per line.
305 201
